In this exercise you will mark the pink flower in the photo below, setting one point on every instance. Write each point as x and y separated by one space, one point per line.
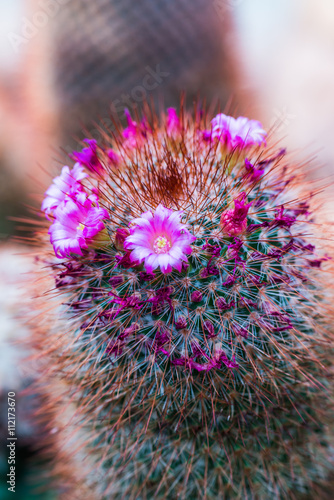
173 122
237 132
133 133
113 157
67 184
88 157
253 174
159 240
234 221
75 226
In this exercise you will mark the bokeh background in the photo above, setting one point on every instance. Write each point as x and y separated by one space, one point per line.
68 65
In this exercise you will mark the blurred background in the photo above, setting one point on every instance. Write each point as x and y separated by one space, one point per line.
66 65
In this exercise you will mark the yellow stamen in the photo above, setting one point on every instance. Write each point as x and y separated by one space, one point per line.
161 245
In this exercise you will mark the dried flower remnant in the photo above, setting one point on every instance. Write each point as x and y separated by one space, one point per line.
234 221
283 220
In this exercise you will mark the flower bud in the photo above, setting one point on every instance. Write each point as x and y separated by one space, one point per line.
113 157
222 305
116 281
173 122
181 323
196 296
234 221
121 234
208 327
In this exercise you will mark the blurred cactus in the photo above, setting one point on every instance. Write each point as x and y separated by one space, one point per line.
193 334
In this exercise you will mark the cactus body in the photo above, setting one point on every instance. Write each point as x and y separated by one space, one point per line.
194 338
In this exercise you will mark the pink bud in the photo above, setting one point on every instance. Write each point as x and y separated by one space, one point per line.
116 280
208 326
113 157
181 323
196 296
173 122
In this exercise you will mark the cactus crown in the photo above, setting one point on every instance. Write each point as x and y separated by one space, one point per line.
195 342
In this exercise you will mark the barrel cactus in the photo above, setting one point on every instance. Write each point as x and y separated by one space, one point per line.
192 322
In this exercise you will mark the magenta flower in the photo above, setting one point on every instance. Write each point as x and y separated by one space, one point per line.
114 157
133 133
253 174
159 240
88 157
237 132
234 221
67 184
173 122
75 226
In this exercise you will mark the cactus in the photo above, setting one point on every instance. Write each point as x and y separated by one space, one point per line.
193 335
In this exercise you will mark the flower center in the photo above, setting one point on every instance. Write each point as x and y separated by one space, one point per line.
80 227
161 245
